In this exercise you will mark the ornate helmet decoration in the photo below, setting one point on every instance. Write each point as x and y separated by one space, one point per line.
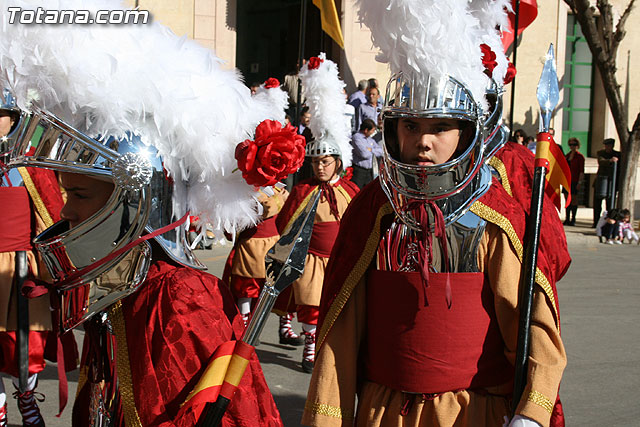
433 51
157 115
8 106
324 94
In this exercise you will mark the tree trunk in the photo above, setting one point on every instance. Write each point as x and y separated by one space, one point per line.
629 168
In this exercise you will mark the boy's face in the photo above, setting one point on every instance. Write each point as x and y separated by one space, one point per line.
85 196
6 123
428 141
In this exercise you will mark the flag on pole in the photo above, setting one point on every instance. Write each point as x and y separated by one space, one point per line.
550 155
330 20
528 12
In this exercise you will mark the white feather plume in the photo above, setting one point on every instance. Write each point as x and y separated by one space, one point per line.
172 92
275 100
323 91
428 37
493 19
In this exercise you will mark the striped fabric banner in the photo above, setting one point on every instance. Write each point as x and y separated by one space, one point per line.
550 155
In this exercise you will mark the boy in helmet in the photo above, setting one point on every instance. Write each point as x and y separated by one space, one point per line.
419 311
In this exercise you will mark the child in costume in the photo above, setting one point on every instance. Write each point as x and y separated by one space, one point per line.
119 259
329 152
419 311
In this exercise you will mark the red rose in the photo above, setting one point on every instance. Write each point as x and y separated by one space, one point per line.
275 153
347 174
314 62
488 59
511 74
271 82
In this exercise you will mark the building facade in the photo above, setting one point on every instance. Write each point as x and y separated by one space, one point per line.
262 39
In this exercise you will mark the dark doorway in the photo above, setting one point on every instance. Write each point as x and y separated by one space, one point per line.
267 37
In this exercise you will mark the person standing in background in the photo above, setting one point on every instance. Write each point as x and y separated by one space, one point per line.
608 172
576 165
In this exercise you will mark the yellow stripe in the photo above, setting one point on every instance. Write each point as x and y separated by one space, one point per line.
125 382
236 370
356 274
328 410
298 211
494 217
346 195
542 400
542 150
497 164
212 376
35 198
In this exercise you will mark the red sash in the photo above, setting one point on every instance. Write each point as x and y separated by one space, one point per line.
420 346
266 228
15 227
323 237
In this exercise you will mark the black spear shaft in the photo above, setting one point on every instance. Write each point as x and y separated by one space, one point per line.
527 280
22 333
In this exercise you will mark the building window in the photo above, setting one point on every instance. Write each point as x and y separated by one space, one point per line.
578 88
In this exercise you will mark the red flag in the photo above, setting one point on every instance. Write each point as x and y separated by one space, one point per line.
550 155
526 15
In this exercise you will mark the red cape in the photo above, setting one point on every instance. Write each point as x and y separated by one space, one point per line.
173 325
300 191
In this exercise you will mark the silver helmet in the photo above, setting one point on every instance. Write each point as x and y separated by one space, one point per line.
98 262
319 148
452 185
496 132
8 106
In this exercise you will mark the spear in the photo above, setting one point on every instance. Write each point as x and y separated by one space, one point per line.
284 264
548 97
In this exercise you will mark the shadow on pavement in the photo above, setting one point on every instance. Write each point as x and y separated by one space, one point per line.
281 355
290 407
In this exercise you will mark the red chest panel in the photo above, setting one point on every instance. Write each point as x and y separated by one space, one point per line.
422 346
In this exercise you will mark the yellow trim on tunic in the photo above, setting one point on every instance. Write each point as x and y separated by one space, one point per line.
346 195
298 211
494 217
497 164
125 381
328 410
542 400
35 197
356 274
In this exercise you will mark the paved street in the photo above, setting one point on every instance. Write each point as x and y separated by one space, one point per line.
599 298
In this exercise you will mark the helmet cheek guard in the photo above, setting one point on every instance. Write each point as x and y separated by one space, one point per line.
104 258
8 141
452 185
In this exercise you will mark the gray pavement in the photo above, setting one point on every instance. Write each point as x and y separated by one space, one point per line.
599 300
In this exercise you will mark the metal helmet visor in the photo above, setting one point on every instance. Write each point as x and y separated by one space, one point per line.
496 133
431 98
8 105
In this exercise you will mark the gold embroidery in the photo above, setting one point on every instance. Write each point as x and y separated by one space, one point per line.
35 197
497 164
124 368
82 378
301 207
496 218
356 274
328 410
346 195
540 399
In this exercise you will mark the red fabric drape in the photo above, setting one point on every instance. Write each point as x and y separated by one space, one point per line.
527 14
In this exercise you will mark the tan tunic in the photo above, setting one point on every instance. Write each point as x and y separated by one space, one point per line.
331 396
248 260
308 288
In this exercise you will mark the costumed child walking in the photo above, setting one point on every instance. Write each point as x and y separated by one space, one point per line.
419 313
328 152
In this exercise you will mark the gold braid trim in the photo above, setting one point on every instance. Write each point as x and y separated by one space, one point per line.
356 274
540 399
494 217
298 211
328 410
346 195
35 197
82 378
125 382
497 164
